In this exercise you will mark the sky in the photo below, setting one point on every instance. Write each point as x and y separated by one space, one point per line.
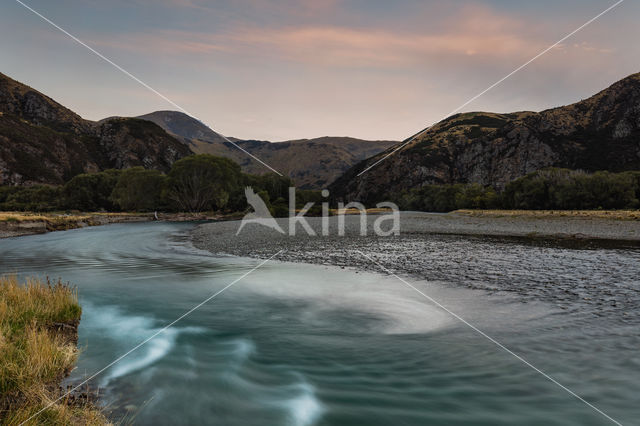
278 70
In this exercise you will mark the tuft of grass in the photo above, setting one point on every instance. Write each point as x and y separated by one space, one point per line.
36 352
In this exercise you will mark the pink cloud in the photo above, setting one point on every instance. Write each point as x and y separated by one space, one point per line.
475 33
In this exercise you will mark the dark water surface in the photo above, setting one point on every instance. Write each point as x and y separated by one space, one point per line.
296 344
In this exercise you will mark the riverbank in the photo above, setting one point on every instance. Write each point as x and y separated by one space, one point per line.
16 224
38 338
405 252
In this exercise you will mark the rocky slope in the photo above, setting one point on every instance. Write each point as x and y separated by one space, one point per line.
41 141
311 163
599 133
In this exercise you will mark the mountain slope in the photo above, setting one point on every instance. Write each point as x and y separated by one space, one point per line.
41 141
599 133
311 163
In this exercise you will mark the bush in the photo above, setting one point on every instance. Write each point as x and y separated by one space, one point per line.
91 191
276 186
280 207
139 189
563 189
203 182
445 198
37 198
6 191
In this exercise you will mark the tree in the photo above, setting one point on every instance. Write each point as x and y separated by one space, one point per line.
91 191
139 189
37 198
573 189
203 182
476 196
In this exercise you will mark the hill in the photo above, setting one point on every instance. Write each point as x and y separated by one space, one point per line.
41 141
599 133
311 163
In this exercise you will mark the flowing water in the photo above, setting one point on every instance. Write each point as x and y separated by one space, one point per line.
296 344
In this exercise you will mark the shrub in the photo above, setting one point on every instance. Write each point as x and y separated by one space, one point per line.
445 198
91 191
32 198
139 189
563 189
203 182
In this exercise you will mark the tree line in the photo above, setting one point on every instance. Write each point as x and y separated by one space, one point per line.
196 183
546 189
207 183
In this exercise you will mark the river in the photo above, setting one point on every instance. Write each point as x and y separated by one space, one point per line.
297 344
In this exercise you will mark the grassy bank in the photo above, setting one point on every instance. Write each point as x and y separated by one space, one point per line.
38 335
13 224
62 221
549 214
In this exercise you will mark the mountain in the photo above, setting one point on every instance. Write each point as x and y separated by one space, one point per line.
184 127
41 141
311 163
599 133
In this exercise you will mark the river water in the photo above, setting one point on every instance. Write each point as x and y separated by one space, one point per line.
297 344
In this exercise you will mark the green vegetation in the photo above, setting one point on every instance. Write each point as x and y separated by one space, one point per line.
445 198
562 189
207 183
203 182
91 191
139 189
34 198
194 184
38 324
547 189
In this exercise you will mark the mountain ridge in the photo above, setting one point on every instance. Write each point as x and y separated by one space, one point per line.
311 163
601 132
43 142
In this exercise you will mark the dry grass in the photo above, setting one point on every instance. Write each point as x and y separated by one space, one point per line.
35 355
545 214
28 216
52 221
64 221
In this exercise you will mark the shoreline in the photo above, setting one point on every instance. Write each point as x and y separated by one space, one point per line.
621 226
39 323
18 224
404 252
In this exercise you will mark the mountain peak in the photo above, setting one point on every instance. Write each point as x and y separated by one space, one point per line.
184 127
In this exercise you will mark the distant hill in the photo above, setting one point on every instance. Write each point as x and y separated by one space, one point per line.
185 127
311 163
41 141
599 133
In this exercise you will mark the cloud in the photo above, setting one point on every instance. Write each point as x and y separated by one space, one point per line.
474 31
474 34
268 71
